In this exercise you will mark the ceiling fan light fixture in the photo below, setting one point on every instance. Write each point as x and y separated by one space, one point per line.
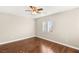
34 12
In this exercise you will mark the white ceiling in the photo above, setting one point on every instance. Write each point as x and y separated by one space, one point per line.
48 10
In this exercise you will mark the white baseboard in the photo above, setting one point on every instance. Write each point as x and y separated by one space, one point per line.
58 42
16 40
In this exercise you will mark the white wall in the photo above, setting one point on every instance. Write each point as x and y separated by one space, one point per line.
15 27
66 27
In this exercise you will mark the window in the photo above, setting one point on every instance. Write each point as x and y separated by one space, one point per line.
47 26
44 26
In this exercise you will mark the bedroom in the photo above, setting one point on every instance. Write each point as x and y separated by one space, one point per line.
54 29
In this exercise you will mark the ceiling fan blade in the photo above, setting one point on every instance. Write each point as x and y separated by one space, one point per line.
40 9
27 10
31 6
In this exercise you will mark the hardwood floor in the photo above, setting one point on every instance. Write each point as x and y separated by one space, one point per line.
35 45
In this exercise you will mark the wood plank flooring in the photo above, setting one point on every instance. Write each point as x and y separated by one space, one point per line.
35 45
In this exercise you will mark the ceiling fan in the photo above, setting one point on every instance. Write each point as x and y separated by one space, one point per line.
35 10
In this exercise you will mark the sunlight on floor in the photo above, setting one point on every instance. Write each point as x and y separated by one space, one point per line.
46 49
